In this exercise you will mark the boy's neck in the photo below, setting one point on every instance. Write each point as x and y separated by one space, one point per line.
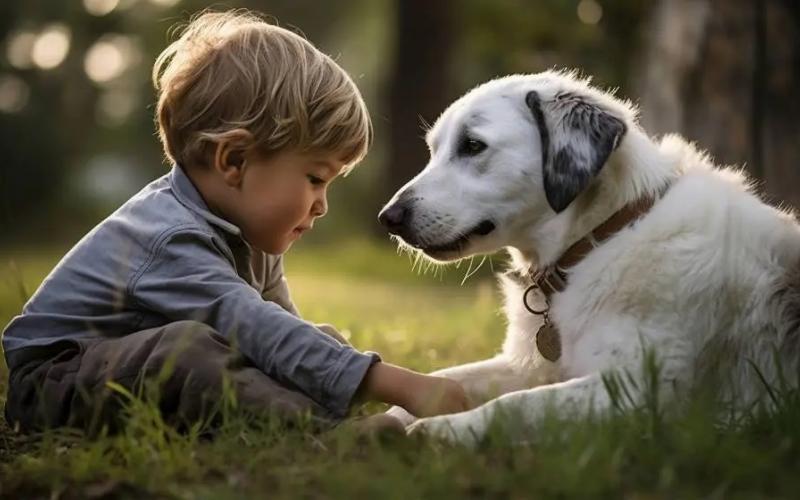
212 190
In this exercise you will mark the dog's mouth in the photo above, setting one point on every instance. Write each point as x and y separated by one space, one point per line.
457 245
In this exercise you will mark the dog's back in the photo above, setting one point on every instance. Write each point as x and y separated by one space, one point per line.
711 264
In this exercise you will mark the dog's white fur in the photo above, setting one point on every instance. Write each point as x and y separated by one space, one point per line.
707 279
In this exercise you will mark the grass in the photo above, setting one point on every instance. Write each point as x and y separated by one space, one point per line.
423 322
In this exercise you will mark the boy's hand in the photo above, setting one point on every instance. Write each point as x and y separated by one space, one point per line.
421 395
436 396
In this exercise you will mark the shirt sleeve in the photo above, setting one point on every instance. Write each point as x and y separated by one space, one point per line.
189 277
276 288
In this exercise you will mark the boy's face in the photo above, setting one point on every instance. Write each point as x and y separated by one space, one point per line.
280 196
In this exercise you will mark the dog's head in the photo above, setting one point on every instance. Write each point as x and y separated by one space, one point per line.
508 155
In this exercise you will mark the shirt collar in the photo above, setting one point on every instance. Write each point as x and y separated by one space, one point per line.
189 196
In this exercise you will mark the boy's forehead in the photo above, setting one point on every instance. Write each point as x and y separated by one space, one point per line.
327 164
336 159
331 161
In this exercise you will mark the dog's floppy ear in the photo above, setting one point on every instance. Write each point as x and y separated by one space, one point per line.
577 137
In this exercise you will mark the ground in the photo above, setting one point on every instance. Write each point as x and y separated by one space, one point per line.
424 322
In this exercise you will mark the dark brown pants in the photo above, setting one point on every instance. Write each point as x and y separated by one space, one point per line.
66 384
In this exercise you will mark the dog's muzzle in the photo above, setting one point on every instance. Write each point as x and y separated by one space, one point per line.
396 219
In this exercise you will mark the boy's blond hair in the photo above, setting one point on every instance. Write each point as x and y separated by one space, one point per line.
233 76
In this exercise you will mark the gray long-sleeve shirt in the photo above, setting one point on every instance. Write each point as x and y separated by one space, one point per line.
164 257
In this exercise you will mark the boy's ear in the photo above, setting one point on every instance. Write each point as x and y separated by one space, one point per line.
229 156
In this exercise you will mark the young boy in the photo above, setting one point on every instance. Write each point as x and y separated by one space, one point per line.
187 275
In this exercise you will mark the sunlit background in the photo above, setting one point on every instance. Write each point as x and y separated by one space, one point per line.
76 101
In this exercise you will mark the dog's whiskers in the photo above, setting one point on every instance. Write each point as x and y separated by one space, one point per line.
471 259
469 275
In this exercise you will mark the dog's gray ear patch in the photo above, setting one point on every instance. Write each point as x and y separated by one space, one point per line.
565 178
582 137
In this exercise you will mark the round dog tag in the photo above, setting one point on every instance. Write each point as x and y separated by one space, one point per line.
548 341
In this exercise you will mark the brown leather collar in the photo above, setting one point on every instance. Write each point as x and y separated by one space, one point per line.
553 278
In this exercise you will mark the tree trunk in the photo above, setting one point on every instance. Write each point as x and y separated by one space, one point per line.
419 84
781 101
725 73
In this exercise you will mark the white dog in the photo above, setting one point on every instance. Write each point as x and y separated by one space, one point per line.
693 266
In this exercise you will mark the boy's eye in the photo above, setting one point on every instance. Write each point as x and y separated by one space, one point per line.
315 180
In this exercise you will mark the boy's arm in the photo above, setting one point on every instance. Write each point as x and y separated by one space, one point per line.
188 277
421 395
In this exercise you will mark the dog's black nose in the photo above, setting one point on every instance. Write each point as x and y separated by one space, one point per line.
394 217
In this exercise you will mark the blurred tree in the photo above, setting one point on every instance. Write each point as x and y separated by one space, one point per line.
70 122
440 49
777 93
419 83
42 139
596 37
726 74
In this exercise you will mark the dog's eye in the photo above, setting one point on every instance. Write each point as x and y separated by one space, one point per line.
472 147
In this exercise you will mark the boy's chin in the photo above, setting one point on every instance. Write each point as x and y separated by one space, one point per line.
275 247
278 249
272 247
283 246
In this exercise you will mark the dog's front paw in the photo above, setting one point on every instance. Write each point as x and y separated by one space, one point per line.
433 427
455 429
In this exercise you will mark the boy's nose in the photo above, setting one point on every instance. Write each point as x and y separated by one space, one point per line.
394 217
320 207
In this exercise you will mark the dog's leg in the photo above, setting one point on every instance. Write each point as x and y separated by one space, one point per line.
573 398
483 381
527 407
